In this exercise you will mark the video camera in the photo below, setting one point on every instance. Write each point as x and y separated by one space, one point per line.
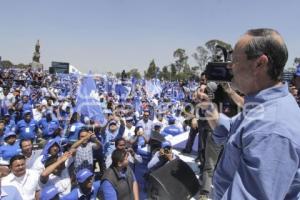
217 70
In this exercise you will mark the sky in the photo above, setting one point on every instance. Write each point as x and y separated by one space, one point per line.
112 35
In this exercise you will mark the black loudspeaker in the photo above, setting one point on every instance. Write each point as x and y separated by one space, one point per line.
173 181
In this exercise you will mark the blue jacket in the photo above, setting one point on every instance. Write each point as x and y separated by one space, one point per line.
74 131
11 126
8 151
48 128
27 130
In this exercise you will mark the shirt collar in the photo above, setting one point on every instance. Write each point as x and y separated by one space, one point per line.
22 178
268 94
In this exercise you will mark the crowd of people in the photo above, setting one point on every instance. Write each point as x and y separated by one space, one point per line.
68 136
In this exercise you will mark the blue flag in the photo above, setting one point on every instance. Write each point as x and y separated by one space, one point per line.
87 103
122 91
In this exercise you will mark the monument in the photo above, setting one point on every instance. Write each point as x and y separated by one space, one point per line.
36 57
1 63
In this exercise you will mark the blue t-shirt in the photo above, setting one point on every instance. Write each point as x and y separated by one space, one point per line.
27 130
48 128
8 151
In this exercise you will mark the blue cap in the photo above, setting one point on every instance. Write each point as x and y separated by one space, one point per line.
107 111
83 175
7 134
157 124
48 192
27 112
166 144
129 118
26 93
146 110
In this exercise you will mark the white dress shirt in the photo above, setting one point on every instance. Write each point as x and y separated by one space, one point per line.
27 185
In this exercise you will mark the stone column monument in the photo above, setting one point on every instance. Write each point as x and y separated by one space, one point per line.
36 57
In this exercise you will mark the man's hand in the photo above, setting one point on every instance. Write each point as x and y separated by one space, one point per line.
227 88
161 152
204 101
211 111
65 156
130 150
90 135
169 156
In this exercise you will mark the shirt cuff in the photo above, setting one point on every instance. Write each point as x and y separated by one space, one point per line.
221 132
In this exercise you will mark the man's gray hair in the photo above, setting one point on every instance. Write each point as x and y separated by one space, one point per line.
265 42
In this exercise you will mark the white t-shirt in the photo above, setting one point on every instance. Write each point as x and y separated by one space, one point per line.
38 166
147 126
37 115
128 133
27 185
31 160
62 182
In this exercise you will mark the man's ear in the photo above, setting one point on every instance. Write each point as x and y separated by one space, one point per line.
262 61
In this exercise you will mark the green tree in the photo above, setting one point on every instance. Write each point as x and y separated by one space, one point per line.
296 61
217 52
183 76
164 74
182 58
173 72
7 64
134 73
21 65
152 70
118 75
202 57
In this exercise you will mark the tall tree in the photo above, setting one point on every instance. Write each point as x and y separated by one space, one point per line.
164 74
173 72
152 70
202 57
296 61
7 64
21 65
182 58
118 75
217 53
134 73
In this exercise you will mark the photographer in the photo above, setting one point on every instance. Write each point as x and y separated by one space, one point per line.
161 157
261 155
133 157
